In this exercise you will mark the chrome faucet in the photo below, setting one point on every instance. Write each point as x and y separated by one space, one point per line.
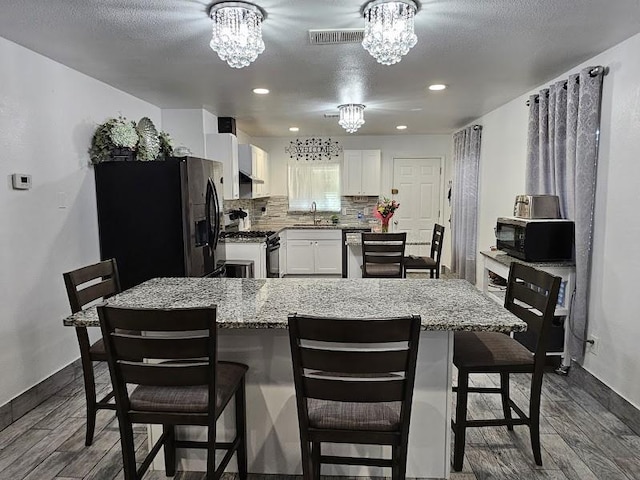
314 208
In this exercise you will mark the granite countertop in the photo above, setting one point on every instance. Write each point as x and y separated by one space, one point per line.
505 259
265 303
279 227
355 240
243 240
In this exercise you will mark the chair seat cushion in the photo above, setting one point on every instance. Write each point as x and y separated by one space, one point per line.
383 269
384 416
419 262
488 349
97 351
191 399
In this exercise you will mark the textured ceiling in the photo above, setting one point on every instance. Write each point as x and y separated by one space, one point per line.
486 51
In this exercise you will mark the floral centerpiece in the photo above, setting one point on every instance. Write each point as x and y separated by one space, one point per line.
384 211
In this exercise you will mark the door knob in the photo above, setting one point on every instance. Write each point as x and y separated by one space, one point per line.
395 222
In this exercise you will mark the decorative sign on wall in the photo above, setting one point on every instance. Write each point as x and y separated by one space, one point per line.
314 149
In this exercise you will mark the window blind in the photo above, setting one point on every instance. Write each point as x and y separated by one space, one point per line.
318 183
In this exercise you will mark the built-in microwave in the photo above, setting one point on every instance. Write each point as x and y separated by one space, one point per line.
541 240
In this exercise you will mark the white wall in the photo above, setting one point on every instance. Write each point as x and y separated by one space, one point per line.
614 305
48 114
391 146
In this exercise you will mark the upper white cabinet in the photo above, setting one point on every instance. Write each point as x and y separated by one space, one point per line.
255 162
223 147
361 172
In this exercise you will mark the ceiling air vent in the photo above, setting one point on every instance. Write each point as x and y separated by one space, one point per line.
333 37
331 115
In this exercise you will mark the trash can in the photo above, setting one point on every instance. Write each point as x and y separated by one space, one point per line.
239 268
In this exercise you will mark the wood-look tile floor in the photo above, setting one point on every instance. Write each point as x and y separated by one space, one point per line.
580 440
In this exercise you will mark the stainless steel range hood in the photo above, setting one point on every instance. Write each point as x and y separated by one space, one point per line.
247 177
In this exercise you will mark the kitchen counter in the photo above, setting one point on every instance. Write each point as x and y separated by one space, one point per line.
506 259
325 226
356 240
242 240
252 315
265 303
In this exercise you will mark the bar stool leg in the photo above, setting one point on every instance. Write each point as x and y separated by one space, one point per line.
241 431
461 420
315 460
169 450
504 392
89 382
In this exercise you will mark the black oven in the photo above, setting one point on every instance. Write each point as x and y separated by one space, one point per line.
536 240
273 256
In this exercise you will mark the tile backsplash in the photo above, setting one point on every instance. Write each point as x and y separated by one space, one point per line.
274 211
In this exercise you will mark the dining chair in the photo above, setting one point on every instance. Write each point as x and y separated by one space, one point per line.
383 255
170 375
531 295
431 263
85 285
348 392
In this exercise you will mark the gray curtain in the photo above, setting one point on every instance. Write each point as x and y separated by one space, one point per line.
464 201
562 157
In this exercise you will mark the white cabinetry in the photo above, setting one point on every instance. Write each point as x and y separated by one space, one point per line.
312 252
361 172
255 162
223 147
498 263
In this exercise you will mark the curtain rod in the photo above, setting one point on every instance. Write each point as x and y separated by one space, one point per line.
594 72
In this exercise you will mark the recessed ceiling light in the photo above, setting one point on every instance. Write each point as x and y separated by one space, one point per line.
294 129
261 91
416 109
437 87
401 127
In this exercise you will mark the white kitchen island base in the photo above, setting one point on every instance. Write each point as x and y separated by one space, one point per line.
252 320
273 440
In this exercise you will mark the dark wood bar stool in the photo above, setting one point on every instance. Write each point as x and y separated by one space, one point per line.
178 381
85 285
531 296
431 263
383 255
353 394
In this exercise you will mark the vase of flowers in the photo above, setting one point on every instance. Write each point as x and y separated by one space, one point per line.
384 211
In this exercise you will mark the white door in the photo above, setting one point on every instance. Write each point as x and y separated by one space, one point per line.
300 257
371 172
352 173
418 184
328 257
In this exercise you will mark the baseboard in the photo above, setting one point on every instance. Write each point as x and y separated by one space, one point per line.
609 399
26 401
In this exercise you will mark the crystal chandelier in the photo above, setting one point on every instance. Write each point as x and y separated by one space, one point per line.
351 116
237 32
388 29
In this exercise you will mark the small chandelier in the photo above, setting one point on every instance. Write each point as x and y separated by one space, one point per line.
237 32
388 29
351 116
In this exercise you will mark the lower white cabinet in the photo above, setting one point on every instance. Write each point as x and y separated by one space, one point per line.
312 252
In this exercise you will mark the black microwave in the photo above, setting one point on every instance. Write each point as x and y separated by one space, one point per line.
536 240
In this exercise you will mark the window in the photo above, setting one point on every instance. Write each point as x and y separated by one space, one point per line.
318 183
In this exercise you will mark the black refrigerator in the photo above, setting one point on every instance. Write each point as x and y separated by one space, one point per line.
160 218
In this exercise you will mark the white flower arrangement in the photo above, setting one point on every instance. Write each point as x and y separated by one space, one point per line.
123 134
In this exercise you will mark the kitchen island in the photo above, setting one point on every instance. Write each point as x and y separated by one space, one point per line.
252 315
